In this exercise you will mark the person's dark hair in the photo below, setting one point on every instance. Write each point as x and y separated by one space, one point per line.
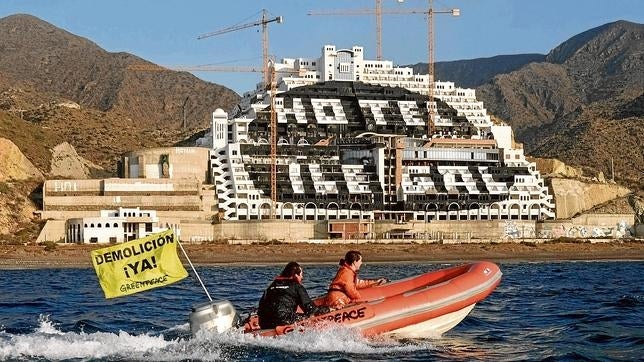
291 269
350 257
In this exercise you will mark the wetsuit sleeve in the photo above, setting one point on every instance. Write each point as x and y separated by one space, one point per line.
305 301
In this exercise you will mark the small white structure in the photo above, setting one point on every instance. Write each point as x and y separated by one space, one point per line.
113 226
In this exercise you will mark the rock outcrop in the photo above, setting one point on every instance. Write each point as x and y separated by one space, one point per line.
18 177
66 163
551 167
573 197
14 166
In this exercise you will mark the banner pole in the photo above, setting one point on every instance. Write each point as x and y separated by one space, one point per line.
194 270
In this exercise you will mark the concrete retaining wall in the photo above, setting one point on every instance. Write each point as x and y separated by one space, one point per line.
590 226
266 230
54 230
288 231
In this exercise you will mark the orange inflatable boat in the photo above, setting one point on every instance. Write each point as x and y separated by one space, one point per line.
423 306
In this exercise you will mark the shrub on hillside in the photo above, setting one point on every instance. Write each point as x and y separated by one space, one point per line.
50 245
4 188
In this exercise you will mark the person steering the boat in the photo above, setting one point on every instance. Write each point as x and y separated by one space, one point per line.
279 303
344 288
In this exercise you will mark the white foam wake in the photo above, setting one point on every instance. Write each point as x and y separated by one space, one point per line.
47 342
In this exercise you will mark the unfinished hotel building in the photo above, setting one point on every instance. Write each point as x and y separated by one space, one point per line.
353 144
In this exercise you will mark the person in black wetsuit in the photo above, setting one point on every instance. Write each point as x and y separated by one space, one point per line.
279 303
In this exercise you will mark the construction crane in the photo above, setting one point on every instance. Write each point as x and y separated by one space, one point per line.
377 10
264 21
429 12
149 67
430 63
379 29
268 82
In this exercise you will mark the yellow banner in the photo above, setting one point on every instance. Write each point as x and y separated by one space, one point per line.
138 265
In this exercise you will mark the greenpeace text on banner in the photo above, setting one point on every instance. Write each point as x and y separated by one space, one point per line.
138 265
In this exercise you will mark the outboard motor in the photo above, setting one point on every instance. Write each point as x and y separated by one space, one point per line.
219 316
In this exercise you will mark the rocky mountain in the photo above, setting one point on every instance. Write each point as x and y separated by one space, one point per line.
94 99
472 73
583 104
54 61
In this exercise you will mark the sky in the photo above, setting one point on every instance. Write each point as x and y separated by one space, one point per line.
165 31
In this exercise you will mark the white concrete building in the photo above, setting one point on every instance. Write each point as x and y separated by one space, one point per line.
114 226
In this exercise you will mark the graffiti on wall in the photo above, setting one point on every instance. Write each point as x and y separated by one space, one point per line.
618 231
62 186
513 231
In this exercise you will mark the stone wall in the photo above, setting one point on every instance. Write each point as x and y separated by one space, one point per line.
595 226
197 232
590 226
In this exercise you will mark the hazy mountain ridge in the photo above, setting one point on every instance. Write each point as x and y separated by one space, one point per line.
472 73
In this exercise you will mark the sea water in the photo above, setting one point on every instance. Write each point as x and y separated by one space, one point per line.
540 311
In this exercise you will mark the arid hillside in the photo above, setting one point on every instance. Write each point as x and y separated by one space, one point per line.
56 86
583 104
51 60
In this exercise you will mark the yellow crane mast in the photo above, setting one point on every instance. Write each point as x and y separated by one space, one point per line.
430 63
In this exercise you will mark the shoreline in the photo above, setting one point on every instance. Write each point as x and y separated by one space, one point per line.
78 256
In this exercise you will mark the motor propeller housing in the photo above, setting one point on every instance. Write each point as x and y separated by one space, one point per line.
216 316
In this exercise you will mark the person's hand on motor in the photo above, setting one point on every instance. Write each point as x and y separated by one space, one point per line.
382 281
